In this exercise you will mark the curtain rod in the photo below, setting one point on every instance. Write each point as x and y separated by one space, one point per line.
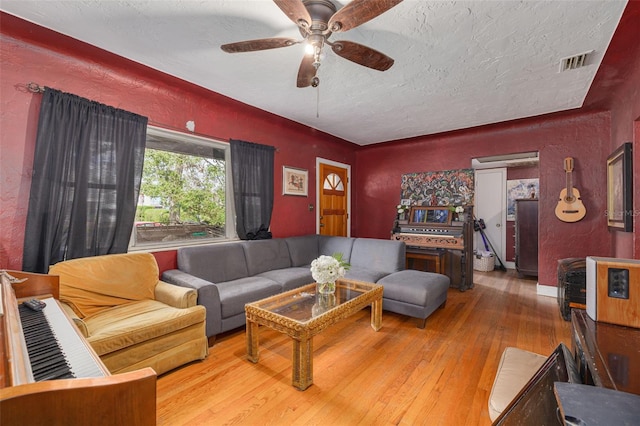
36 88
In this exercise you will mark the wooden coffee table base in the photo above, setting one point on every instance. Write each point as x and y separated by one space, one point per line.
302 332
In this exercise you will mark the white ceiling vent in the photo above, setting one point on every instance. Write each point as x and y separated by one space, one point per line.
574 62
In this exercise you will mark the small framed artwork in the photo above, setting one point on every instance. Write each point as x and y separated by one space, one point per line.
620 189
295 181
430 216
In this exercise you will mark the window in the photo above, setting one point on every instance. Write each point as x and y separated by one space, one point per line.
185 195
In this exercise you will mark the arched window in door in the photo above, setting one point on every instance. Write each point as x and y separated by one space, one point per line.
333 183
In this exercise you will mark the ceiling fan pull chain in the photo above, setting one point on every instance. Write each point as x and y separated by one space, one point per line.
318 101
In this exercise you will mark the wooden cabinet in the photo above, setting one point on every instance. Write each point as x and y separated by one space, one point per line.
526 234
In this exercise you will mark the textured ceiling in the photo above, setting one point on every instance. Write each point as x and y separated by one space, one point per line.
458 64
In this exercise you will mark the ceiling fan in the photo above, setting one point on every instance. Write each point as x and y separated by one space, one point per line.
317 20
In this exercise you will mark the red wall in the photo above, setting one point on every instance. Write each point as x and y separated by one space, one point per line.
624 103
610 116
583 136
33 54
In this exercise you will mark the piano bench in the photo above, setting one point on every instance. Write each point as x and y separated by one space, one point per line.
437 257
516 368
414 293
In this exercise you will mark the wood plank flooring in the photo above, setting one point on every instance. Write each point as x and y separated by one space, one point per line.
401 375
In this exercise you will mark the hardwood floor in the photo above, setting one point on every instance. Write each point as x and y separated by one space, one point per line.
401 375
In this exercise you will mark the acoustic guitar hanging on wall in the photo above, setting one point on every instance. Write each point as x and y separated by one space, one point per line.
570 207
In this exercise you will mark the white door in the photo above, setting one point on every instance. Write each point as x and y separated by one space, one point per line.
491 206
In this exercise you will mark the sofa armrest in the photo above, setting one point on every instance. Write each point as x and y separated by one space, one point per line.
176 296
208 296
79 323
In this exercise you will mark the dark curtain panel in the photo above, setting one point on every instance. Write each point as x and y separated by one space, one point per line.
252 171
86 179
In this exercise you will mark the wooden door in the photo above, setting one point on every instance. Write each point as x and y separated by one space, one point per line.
333 212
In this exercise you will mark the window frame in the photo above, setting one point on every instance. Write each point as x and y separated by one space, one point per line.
230 228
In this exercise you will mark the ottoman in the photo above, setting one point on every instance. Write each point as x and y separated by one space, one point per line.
414 293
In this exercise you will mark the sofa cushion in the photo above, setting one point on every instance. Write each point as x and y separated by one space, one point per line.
365 274
379 255
127 325
290 278
266 255
329 245
93 284
214 262
235 294
302 249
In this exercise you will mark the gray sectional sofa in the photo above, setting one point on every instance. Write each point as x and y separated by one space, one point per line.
229 275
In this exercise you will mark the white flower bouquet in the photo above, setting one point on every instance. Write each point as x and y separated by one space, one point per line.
325 270
402 211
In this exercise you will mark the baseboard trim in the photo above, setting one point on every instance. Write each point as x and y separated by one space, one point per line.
547 290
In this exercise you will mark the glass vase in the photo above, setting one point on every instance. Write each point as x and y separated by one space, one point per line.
326 288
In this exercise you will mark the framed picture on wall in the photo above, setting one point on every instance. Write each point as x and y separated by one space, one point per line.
620 189
295 181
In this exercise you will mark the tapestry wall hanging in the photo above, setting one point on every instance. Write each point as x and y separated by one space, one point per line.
442 188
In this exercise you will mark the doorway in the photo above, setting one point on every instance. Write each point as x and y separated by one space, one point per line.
490 205
333 198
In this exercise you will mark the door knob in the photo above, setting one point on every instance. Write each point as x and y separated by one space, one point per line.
498 225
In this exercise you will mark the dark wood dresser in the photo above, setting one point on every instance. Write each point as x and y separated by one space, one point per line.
526 233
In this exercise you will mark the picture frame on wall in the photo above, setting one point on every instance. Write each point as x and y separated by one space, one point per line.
620 189
295 181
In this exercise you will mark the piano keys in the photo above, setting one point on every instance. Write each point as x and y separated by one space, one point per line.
51 331
91 395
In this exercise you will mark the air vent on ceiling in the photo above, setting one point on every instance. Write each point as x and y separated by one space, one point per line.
574 62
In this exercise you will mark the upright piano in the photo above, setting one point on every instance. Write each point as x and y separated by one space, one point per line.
435 229
49 373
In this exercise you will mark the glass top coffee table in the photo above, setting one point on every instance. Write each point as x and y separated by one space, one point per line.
301 314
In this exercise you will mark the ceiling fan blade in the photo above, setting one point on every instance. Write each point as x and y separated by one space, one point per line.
357 12
260 44
362 55
306 72
296 11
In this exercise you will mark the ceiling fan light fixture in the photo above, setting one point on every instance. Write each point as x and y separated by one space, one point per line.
309 49
316 21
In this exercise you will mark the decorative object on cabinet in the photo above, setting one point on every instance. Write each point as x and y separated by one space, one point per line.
402 210
295 181
620 189
570 207
527 237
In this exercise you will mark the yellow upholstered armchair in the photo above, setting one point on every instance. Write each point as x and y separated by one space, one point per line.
131 318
